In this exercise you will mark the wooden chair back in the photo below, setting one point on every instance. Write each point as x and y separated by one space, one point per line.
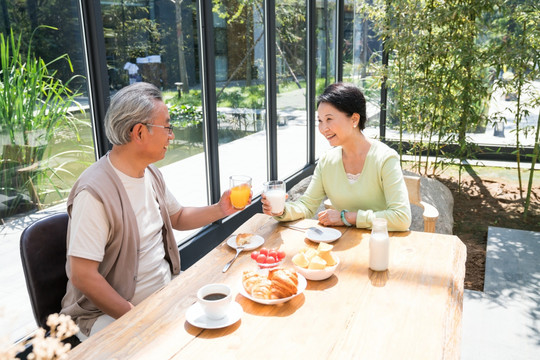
431 214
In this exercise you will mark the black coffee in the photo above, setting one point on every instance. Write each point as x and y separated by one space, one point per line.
214 296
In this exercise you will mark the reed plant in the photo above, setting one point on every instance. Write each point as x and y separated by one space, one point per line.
35 106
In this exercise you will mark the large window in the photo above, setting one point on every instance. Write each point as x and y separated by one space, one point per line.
46 139
491 100
240 92
45 133
156 42
361 55
291 84
326 33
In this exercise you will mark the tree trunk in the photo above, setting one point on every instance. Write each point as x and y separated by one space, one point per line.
31 8
536 153
7 24
249 39
180 41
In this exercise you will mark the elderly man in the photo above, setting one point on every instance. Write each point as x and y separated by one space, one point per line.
121 246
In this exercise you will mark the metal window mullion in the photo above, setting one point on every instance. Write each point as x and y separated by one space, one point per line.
96 67
340 18
311 55
384 95
208 86
271 88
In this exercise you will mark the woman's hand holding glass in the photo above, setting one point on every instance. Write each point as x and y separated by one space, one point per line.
275 195
267 206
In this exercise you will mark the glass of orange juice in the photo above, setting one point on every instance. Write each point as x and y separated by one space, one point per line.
240 186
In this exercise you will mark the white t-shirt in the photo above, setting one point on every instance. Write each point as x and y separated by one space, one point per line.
90 229
131 68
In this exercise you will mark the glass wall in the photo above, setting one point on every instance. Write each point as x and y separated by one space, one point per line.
291 84
240 92
361 57
156 42
326 34
46 138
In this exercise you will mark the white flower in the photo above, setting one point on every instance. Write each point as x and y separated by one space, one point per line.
46 347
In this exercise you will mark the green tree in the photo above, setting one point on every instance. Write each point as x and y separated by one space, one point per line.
436 73
515 54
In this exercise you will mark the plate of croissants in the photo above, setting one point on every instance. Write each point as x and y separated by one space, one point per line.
274 286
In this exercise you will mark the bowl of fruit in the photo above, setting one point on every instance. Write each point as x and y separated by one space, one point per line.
316 264
268 258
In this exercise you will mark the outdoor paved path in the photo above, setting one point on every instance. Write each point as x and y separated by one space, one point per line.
503 322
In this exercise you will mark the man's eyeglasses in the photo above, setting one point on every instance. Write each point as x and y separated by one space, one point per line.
168 128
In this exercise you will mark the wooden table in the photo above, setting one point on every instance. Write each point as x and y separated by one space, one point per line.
412 311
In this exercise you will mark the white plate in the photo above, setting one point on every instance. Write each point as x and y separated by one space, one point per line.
254 242
328 235
196 317
302 283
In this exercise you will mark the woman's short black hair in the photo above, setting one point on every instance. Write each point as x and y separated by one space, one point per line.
347 98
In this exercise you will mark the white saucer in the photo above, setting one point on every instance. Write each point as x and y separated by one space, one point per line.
328 235
254 242
196 317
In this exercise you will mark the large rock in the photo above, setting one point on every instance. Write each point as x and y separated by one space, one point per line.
437 194
432 191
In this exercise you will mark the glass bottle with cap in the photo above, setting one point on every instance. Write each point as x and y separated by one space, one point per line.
379 246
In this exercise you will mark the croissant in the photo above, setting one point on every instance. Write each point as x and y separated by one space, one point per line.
250 279
263 290
284 274
284 282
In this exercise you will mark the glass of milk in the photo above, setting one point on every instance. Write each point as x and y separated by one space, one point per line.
275 194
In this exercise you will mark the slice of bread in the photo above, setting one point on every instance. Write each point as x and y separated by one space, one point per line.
243 239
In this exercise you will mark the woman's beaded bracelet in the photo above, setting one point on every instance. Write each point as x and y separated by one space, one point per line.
344 219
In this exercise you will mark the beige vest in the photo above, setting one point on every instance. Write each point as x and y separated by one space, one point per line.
121 259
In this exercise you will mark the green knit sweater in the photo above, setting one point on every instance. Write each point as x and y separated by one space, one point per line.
379 192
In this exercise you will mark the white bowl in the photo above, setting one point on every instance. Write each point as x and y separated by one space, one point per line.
317 275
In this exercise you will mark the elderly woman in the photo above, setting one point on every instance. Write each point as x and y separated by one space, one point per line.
121 246
362 177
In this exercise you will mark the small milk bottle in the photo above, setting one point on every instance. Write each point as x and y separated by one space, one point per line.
379 246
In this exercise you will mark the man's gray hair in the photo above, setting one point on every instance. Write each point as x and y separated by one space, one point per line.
130 106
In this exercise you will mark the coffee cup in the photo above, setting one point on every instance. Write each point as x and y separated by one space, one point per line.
215 300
